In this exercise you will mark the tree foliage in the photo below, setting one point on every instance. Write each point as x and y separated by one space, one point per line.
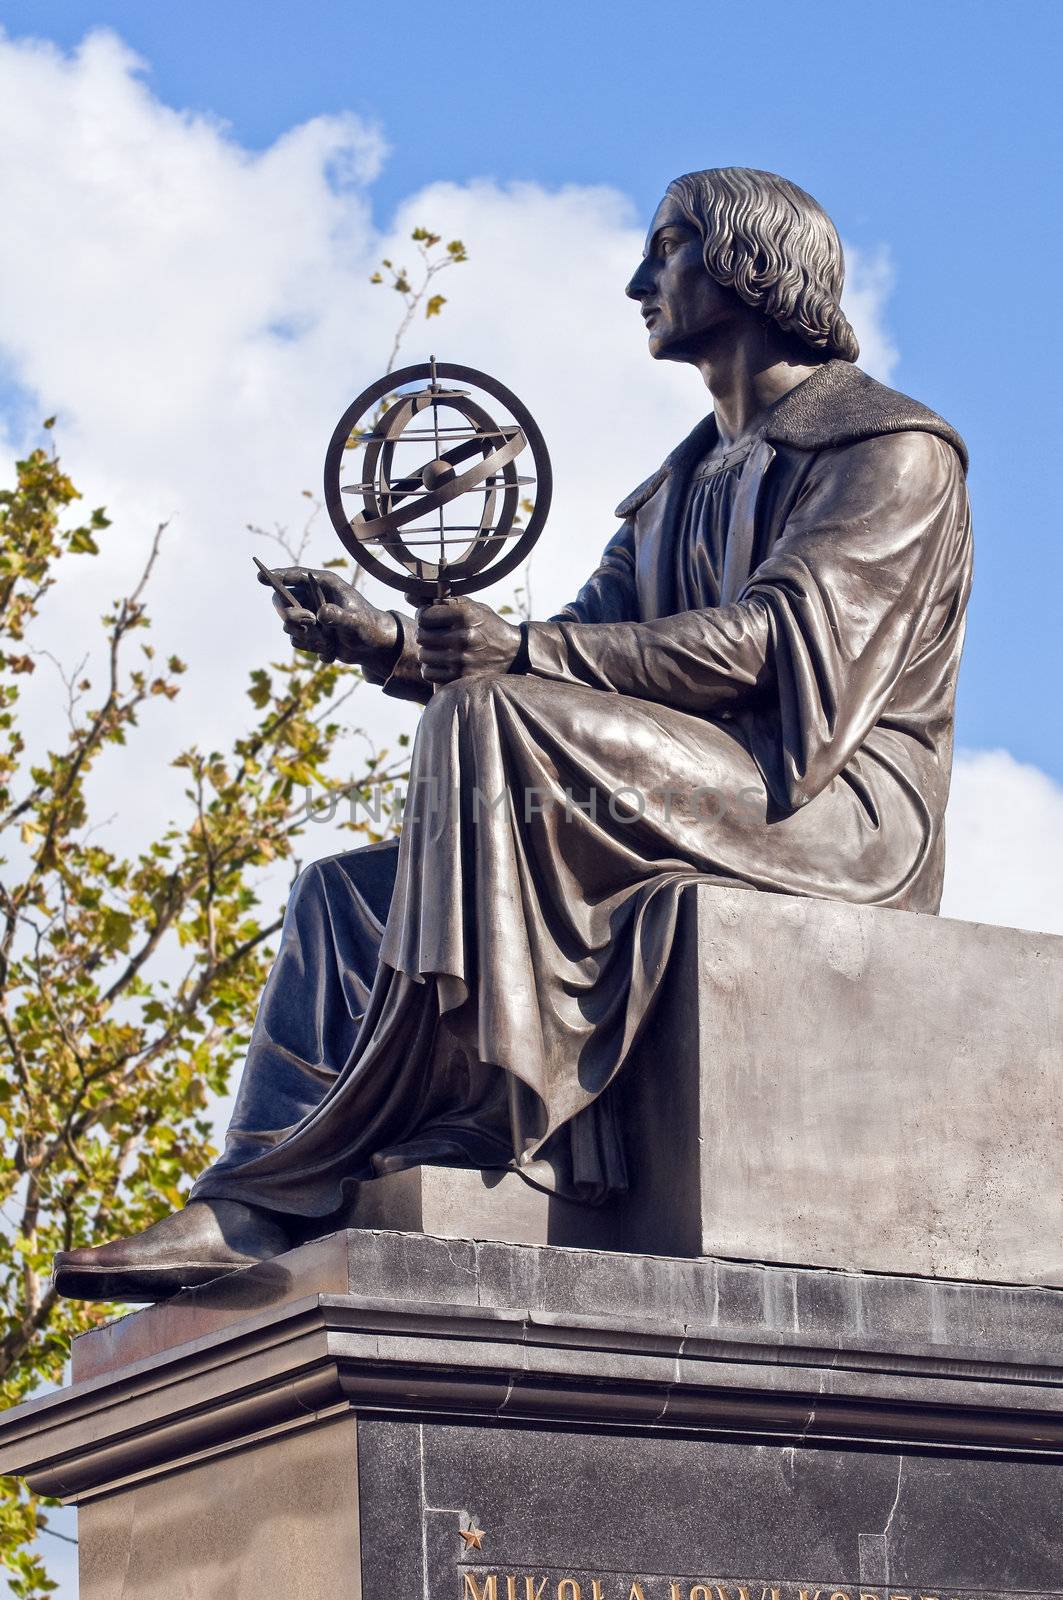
128 982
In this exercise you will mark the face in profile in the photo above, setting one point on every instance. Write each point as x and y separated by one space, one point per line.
684 308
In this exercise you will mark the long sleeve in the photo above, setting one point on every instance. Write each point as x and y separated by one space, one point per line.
824 627
401 677
698 661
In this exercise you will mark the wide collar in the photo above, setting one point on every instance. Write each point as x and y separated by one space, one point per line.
836 405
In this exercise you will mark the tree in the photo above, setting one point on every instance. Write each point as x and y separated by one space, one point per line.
128 983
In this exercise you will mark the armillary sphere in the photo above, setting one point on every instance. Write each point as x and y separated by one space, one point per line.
411 449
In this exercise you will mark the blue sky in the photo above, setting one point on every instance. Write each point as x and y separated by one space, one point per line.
930 129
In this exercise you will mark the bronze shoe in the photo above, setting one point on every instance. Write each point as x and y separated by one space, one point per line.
205 1240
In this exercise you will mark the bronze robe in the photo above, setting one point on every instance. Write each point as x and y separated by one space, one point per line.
755 687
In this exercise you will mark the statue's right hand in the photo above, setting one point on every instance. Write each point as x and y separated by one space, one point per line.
347 626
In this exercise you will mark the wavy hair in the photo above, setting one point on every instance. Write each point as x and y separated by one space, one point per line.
775 246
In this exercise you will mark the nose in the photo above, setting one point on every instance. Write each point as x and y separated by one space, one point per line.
640 285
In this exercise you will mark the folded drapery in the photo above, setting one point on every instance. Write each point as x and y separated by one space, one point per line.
796 739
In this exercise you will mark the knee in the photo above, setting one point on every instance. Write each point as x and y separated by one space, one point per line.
306 885
314 880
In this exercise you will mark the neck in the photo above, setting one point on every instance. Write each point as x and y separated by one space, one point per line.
747 373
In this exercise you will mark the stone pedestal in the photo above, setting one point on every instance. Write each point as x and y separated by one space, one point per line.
822 1083
850 1087
379 1415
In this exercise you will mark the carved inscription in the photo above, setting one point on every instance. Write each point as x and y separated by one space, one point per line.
483 1585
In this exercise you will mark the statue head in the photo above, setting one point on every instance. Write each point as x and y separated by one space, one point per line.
730 241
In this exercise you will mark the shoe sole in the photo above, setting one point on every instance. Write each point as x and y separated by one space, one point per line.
139 1284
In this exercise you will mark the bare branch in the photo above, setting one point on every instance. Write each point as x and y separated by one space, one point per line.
128 615
69 680
413 299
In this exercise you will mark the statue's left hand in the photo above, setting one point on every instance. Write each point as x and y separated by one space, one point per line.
462 638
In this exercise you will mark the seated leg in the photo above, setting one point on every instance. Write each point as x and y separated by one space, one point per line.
314 998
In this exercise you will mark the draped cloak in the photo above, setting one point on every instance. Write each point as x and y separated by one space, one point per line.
754 688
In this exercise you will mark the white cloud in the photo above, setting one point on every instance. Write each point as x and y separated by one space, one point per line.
868 281
199 315
1004 843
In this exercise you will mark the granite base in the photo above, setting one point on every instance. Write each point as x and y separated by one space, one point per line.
385 1414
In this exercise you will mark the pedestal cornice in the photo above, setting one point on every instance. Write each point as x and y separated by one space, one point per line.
387 1324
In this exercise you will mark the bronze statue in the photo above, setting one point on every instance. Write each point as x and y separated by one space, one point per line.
754 688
